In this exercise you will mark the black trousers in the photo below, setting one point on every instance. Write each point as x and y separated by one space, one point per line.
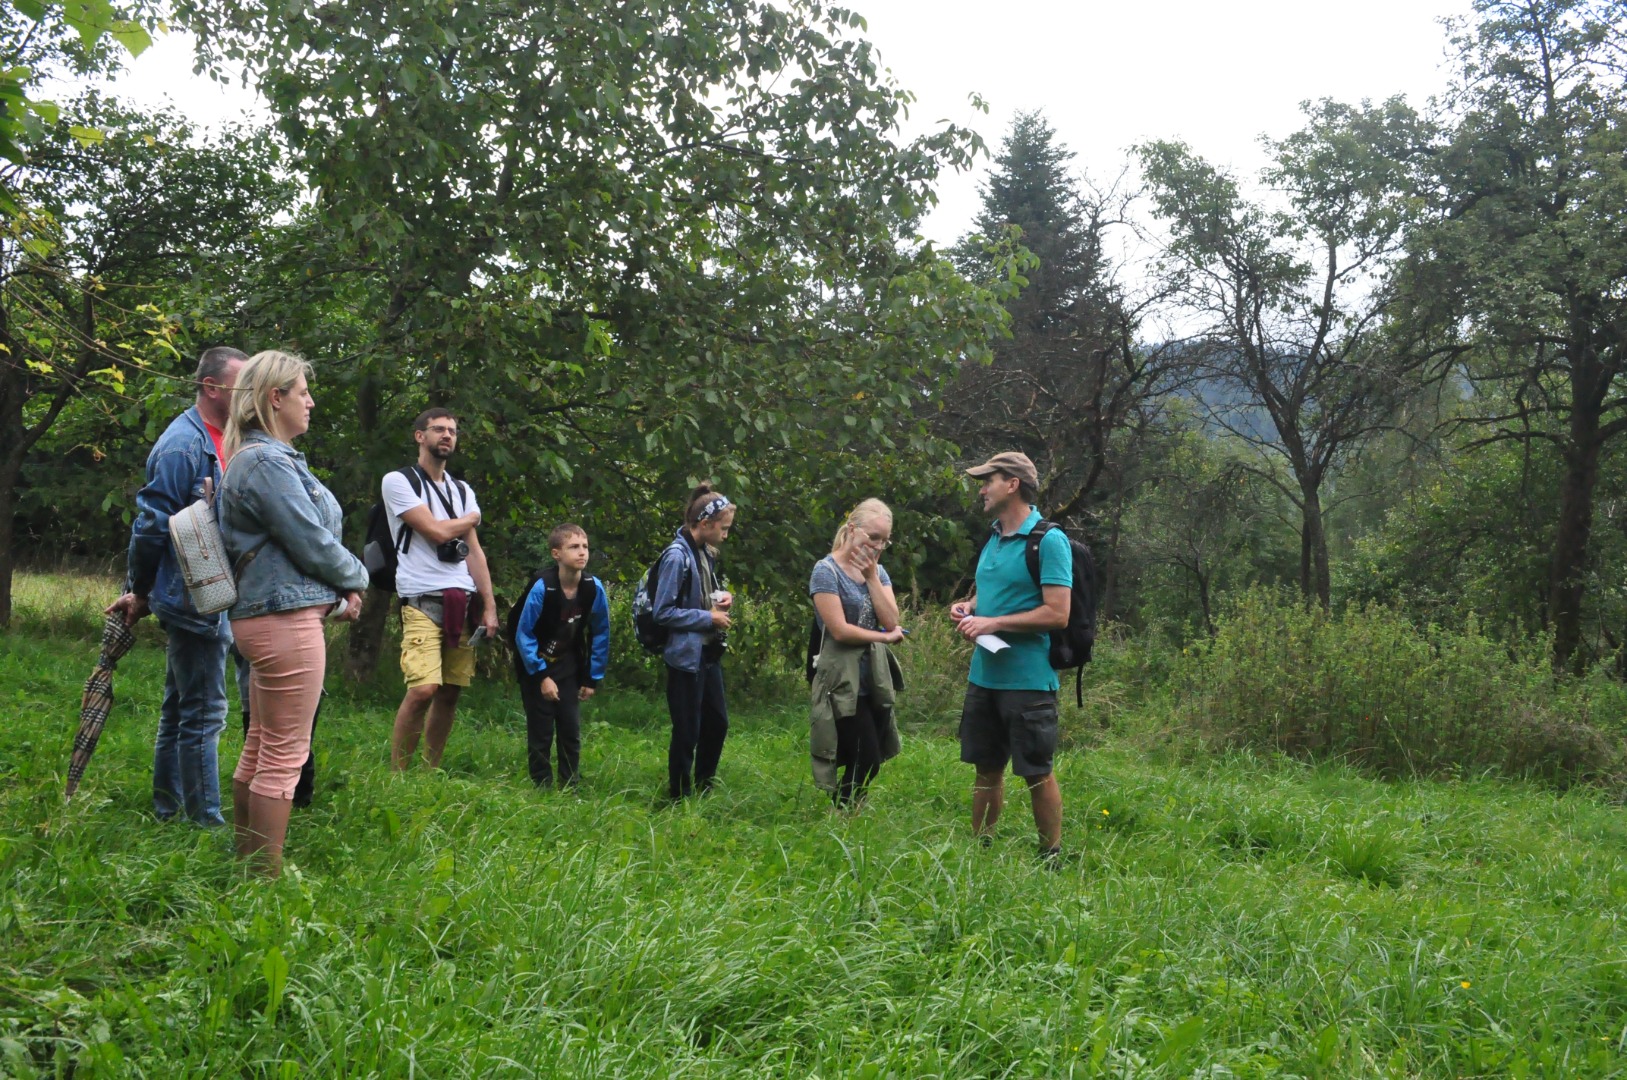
547 721
700 723
858 750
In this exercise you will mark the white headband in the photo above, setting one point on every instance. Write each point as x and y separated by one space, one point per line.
713 508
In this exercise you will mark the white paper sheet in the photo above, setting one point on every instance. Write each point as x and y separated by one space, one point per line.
992 643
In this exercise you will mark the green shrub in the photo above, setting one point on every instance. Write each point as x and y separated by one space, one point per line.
1368 687
764 661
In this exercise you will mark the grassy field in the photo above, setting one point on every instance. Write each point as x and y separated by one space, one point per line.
1228 917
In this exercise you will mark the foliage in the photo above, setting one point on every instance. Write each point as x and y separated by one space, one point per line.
640 244
1290 301
127 238
40 39
1516 270
1477 537
1202 525
1072 386
1366 686
1472 538
632 245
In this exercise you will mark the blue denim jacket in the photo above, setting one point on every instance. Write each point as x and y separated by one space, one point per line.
180 461
686 617
270 498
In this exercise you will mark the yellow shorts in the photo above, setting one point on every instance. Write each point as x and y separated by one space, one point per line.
425 659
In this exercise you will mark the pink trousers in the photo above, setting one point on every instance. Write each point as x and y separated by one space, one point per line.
287 658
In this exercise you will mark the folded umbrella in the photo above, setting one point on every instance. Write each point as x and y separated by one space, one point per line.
98 700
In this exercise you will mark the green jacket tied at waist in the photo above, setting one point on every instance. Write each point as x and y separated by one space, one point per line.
835 692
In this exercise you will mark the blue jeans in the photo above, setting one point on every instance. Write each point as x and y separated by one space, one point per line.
186 769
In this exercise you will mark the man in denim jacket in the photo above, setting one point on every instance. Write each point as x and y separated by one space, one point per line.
186 776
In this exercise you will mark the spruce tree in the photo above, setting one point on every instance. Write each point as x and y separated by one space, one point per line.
1032 188
1070 387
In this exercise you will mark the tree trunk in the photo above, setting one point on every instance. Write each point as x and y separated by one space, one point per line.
367 636
8 555
12 433
1315 581
1203 600
1567 572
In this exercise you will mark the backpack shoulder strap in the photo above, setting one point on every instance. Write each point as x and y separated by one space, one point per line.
1035 536
403 539
653 577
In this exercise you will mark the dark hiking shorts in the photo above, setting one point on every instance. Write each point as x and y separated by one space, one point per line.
1019 726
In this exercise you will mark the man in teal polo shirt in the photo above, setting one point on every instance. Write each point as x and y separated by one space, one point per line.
1010 712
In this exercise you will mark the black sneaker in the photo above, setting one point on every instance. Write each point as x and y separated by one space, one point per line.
1051 858
985 841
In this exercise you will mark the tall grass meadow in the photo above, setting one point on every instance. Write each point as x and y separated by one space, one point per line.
1238 914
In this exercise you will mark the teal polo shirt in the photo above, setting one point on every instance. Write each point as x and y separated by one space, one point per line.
1005 587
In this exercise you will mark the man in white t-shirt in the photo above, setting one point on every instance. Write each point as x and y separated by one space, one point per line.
444 585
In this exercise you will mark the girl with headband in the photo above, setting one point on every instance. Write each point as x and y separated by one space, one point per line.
692 604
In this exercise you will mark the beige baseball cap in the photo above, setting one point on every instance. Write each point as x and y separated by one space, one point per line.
1009 462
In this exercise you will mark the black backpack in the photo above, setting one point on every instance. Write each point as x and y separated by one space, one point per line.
381 552
512 627
1071 645
651 634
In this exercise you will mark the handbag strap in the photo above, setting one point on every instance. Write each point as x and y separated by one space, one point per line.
247 557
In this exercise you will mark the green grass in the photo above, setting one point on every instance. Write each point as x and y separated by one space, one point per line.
1230 917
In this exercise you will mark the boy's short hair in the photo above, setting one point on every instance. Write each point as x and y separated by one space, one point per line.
562 533
437 413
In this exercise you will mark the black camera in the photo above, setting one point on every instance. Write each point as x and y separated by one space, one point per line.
453 550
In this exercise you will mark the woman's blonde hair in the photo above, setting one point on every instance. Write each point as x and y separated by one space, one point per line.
867 511
251 396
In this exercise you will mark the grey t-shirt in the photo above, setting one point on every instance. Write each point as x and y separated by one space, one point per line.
857 606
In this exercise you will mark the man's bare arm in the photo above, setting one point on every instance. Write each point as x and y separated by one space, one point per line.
1051 615
481 572
422 522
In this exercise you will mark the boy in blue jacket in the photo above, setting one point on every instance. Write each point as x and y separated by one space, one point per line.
561 640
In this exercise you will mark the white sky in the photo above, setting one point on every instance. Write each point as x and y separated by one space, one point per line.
1107 75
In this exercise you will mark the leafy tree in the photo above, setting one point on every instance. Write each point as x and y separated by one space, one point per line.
1519 269
631 243
1202 523
1472 538
118 228
40 39
1289 301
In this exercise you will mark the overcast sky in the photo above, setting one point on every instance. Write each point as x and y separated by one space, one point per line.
1106 75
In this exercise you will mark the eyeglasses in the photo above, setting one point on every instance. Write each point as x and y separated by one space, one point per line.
441 429
878 541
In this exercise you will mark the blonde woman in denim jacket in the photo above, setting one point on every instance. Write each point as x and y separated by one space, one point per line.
281 528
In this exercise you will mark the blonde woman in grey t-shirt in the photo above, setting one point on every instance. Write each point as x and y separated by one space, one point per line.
854 603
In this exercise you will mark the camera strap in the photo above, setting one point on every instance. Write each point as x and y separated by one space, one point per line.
445 498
